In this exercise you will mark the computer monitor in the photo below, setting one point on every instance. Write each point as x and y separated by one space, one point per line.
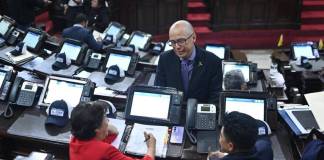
167 47
122 60
115 29
140 40
32 39
302 49
57 88
71 50
4 27
231 65
153 105
218 49
251 103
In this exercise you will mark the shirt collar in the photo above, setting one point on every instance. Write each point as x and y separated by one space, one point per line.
192 57
77 25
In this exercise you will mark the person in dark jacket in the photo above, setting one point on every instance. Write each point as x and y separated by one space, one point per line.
79 32
98 15
188 68
23 11
237 139
71 9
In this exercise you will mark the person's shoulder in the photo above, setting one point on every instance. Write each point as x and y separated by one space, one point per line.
167 54
208 56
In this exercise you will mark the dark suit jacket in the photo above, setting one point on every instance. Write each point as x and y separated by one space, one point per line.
98 18
206 79
83 35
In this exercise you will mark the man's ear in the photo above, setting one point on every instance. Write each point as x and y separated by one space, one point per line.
231 147
244 87
194 37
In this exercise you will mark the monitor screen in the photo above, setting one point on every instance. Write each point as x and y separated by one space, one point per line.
153 105
253 107
245 69
113 30
121 60
4 26
2 77
303 50
71 50
31 39
167 47
219 51
139 41
69 91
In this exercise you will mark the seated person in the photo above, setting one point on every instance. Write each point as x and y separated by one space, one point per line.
314 149
98 15
238 138
234 80
79 32
92 135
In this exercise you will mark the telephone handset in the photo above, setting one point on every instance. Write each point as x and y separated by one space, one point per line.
87 92
7 74
23 93
132 64
254 73
92 60
14 37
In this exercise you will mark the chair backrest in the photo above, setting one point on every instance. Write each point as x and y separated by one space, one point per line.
314 150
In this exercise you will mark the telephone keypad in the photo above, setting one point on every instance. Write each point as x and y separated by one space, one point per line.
205 121
94 63
26 98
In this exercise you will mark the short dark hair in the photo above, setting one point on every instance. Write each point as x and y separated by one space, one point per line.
79 18
233 80
241 130
86 118
102 3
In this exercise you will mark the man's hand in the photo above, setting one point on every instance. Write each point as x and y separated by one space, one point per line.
216 155
47 2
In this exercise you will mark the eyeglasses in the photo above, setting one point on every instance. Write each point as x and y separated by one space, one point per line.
180 41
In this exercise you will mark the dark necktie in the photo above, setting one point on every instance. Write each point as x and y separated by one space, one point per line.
186 68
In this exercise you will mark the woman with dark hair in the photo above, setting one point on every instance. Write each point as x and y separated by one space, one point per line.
92 135
98 15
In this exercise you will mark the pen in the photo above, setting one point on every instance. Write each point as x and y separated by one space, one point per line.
146 139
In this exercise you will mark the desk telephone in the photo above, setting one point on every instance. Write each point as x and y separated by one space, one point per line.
92 60
24 93
200 116
87 91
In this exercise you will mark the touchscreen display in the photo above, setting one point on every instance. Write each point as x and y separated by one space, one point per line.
71 50
252 107
31 39
217 50
70 92
152 105
245 69
121 60
139 41
4 26
303 50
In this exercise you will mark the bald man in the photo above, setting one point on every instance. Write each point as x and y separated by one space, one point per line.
196 72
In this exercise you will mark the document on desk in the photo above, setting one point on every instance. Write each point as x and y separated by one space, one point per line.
315 102
136 144
26 56
98 35
120 125
263 60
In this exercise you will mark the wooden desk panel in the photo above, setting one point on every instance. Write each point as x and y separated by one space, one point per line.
151 16
255 14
